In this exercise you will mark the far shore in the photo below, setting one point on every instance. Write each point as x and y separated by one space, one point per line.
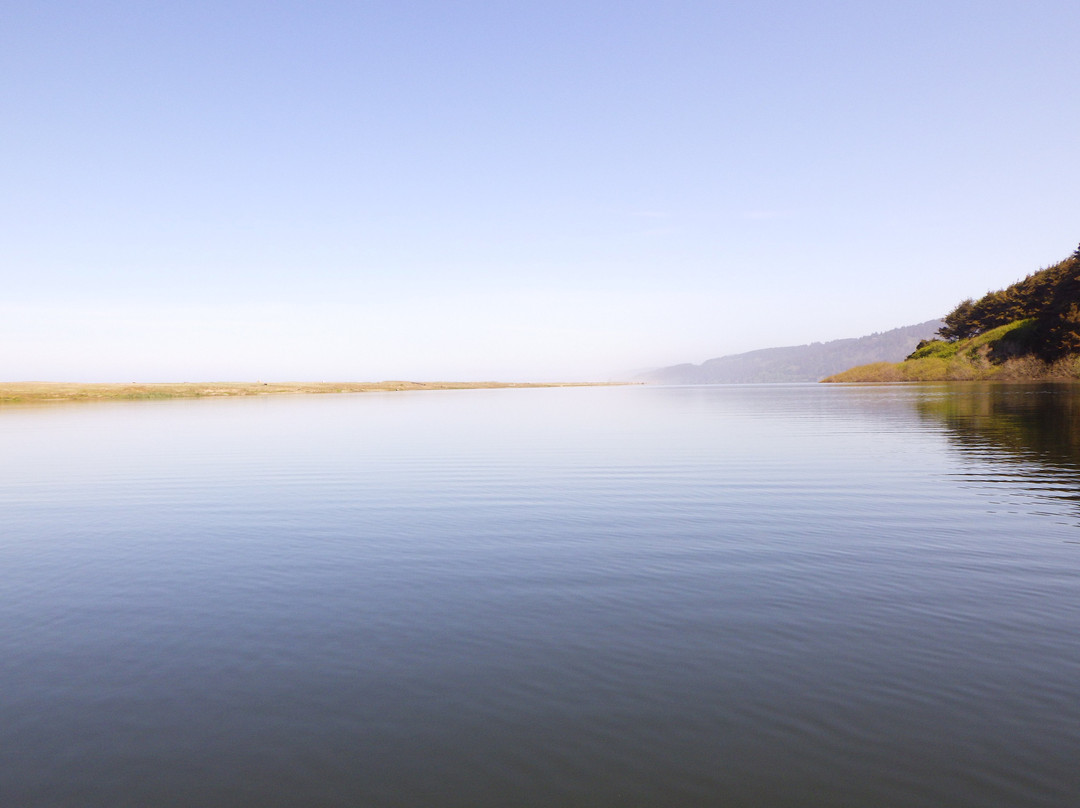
15 392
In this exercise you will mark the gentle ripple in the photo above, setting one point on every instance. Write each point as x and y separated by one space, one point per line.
741 596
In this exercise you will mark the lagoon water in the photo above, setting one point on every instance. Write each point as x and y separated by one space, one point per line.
757 596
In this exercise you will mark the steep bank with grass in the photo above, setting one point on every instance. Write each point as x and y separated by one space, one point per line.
1028 331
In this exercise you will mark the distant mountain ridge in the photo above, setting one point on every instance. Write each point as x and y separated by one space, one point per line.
799 363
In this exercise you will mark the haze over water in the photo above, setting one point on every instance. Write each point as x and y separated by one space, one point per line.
740 596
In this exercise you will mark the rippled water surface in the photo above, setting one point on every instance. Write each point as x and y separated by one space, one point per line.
641 596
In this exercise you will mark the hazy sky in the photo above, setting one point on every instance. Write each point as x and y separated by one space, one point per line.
506 190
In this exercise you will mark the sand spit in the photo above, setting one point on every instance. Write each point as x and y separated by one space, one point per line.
64 391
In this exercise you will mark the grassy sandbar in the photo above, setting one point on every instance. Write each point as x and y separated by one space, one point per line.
65 391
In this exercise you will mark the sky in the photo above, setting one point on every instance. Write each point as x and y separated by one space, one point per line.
241 190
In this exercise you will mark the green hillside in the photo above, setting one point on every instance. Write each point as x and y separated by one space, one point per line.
1030 330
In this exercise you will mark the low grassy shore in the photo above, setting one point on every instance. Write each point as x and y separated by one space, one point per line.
1027 369
63 391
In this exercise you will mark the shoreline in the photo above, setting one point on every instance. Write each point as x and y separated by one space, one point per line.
24 392
961 369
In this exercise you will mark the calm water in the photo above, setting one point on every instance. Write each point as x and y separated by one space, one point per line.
718 596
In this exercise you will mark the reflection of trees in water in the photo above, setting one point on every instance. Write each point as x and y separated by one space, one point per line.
1034 429
1031 422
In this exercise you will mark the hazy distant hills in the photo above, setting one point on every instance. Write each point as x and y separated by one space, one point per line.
799 363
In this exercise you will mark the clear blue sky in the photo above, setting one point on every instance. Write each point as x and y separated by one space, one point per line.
369 190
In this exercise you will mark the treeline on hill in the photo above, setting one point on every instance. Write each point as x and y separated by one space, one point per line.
1049 299
1029 331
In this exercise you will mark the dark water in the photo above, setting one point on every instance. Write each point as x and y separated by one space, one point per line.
723 596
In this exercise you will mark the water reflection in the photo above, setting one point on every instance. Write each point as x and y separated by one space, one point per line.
1030 422
1029 434
739 596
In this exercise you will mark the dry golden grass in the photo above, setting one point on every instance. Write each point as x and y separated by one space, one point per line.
963 368
64 391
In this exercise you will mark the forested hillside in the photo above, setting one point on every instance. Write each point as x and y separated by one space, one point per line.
1050 298
1029 330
